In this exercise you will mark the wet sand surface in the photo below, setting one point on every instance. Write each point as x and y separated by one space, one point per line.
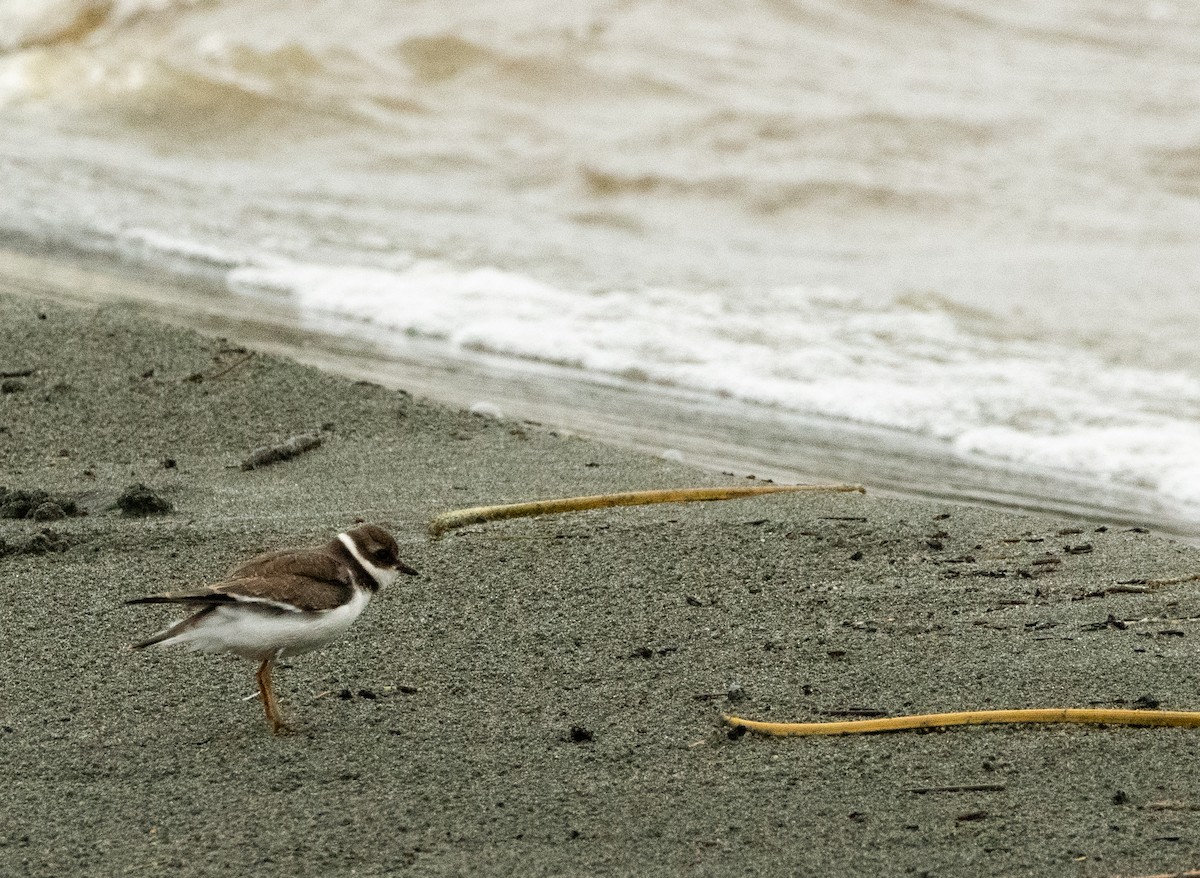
545 696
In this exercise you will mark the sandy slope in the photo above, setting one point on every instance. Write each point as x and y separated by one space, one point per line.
544 698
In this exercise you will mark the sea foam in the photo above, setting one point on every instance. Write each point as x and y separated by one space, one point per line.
817 352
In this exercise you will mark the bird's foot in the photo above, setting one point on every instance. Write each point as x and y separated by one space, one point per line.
281 729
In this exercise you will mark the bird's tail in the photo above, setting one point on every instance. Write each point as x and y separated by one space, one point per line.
175 630
154 599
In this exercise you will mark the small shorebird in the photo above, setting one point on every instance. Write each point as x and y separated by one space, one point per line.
284 603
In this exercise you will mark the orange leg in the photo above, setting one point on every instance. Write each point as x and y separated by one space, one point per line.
265 692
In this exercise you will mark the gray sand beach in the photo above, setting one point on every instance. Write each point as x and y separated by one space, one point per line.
545 697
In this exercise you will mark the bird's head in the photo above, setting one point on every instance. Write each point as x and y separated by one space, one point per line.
376 550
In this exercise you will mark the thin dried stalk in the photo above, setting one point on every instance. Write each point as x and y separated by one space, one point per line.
481 514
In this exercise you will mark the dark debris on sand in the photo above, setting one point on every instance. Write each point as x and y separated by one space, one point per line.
44 542
36 504
139 500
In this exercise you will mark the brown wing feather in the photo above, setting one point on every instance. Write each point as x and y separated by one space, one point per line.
319 565
303 592
282 592
309 581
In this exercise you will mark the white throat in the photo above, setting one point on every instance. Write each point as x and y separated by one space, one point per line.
383 578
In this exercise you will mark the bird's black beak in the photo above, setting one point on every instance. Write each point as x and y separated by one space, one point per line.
405 569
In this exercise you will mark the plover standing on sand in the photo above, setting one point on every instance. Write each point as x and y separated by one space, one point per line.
284 603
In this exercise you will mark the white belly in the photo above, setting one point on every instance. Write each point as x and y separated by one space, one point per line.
256 635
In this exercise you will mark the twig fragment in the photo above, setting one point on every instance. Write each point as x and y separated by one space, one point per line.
1140 586
1168 805
197 377
1124 588
1086 715
230 367
1173 581
960 788
482 514
293 447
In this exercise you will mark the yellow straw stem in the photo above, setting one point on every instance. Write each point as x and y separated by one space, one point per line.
1093 716
482 514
